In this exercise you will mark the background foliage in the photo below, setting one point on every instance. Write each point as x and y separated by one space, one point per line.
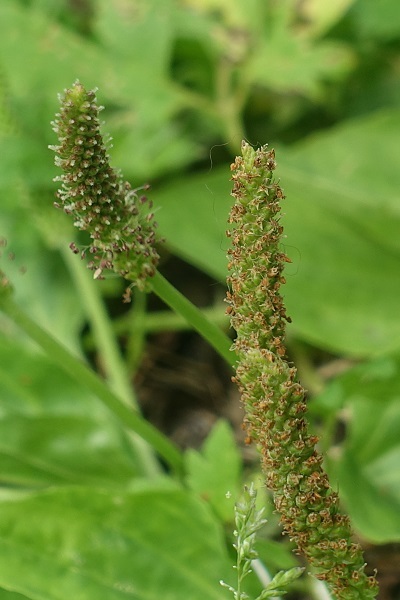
183 81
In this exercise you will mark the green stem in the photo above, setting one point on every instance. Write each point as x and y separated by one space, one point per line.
165 320
181 305
136 330
318 590
111 359
85 376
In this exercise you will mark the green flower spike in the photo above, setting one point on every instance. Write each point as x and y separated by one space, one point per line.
120 224
273 398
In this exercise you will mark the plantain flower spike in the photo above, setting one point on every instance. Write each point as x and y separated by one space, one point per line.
273 398
120 223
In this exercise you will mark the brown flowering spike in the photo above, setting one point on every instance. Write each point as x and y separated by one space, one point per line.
273 398
120 223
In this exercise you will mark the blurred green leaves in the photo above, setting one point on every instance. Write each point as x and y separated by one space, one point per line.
215 473
90 527
378 20
182 83
84 543
52 431
368 397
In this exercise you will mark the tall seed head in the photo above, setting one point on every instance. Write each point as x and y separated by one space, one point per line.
273 398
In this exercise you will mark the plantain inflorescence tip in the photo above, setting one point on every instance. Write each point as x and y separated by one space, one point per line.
120 223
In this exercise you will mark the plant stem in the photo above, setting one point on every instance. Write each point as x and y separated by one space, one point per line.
181 305
111 359
263 575
106 343
85 376
319 590
165 320
136 329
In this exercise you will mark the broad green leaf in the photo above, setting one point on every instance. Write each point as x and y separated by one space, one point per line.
56 57
378 20
287 65
38 451
31 384
215 471
148 139
342 215
9 595
84 543
367 467
41 284
233 14
52 431
142 109
192 213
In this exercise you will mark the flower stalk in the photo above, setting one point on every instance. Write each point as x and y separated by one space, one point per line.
273 398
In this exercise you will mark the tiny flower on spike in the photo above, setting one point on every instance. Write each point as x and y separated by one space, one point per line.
120 224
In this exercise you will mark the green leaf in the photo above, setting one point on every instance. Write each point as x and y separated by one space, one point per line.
378 20
10 595
283 578
192 213
41 282
280 582
83 543
148 139
52 431
215 472
296 66
56 57
142 111
31 384
341 223
40 451
288 61
367 467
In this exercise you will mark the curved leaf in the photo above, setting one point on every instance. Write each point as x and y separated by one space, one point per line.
84 544
367 469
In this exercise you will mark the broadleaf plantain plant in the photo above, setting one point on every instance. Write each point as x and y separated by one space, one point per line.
122 234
